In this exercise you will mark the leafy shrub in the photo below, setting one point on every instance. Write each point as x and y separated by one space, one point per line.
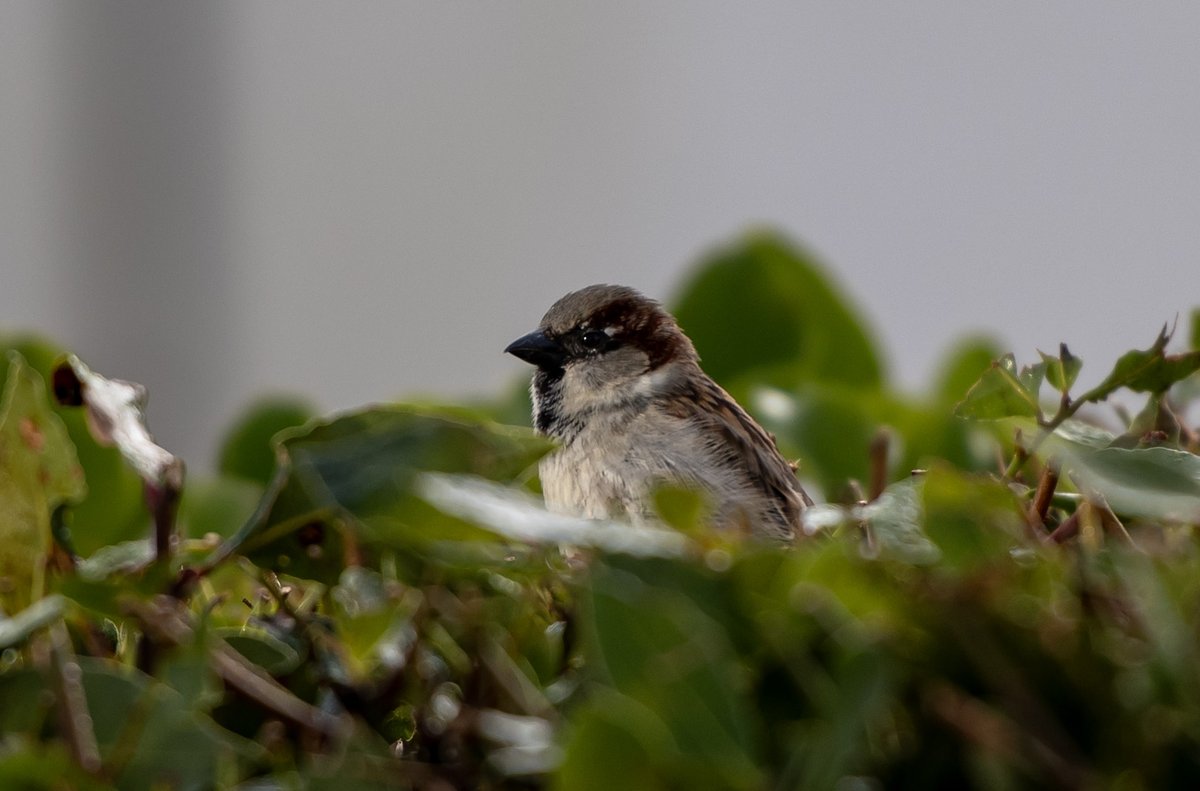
377 600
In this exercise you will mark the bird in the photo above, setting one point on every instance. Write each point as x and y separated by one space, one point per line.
619 386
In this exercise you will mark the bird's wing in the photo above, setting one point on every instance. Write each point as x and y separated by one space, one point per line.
743 445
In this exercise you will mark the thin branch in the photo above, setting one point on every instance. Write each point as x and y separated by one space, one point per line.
878 456
1042 498
166 623
73 716
1068 529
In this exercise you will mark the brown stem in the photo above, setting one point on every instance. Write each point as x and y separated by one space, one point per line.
165 623
878 455
1041 499
1065 531
73 716
162 497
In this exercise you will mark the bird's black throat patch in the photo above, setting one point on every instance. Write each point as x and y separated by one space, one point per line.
547 399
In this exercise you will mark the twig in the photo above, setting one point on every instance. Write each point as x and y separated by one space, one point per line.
73 716
165 623
1065 531
1041 499
878 456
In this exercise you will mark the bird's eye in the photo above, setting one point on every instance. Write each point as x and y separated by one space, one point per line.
595 339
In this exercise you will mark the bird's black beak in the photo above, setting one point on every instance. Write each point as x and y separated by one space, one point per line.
536 349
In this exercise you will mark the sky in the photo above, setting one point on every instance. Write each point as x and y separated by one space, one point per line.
361 201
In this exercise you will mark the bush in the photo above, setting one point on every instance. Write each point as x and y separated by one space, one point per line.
377 600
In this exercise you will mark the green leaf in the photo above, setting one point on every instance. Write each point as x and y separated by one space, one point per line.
247 451
45 768
357 472
1061 370
220 507
896 519
113 508
998 394
963 366
38 472
762 304
25 703
1194 335
659 646
516 515
973 520
1147 371
1031 378
162 742
1154 482
613 724
262 648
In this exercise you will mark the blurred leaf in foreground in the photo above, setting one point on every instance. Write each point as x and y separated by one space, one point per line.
352 478
38 472
762 304
247 451
973 520
667 658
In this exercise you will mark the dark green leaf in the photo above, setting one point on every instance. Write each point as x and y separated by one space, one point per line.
247 451
263 649
660 647
974 521
357 472
1062 370
762 304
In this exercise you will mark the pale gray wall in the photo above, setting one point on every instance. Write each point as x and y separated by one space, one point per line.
358 200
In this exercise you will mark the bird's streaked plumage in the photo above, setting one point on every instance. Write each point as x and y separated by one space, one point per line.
620 386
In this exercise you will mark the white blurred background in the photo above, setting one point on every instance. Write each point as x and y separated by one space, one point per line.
356 200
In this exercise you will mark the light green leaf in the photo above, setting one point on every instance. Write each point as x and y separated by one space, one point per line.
1155 482
1031 378
1147 371
516 515
998 394
38 472
896 518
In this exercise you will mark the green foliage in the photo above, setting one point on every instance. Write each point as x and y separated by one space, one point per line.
38 473
762 307
247 452
378 600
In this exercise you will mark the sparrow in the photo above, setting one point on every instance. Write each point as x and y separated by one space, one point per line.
619 386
